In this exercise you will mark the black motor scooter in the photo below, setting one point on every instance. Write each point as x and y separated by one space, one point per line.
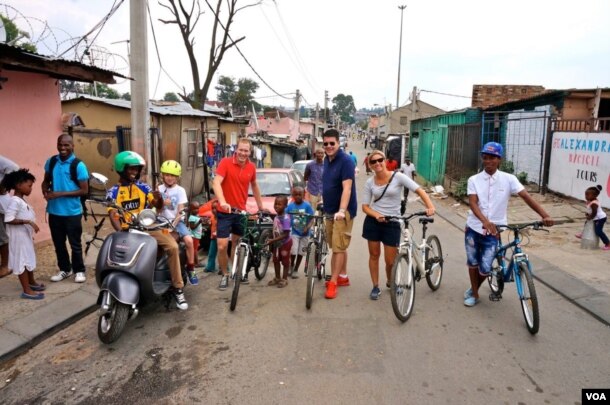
131 271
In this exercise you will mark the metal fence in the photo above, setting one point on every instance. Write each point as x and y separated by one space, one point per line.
581 125
463 146
523 135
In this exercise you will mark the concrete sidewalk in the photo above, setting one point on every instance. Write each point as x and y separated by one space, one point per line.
581 276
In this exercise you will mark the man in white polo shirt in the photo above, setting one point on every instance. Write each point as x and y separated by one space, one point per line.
488 195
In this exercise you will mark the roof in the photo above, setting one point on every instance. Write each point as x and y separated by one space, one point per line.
548 97
175 108
21 60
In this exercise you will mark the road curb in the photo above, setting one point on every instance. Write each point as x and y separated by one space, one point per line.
17 337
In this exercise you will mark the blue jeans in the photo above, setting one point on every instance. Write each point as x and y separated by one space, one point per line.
480 250
599 224
71 228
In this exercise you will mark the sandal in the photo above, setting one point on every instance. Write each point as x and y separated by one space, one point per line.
32 296
275 281
38 287
282 283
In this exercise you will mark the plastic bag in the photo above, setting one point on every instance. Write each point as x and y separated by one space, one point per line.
589 239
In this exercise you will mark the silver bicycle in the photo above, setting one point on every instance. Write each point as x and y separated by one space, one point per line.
413 261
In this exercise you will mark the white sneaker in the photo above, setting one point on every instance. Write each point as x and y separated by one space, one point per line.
80 277
62 275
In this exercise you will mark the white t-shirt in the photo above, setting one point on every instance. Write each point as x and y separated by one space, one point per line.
175 195
494 192
7 166
389 204
408 169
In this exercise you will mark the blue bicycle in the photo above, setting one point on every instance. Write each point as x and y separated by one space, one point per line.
518 269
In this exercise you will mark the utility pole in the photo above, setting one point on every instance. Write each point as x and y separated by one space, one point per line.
314 137
325 110
414 102
297 112
138 62
401 8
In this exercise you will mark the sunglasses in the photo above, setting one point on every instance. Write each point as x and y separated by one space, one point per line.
329 143
374 161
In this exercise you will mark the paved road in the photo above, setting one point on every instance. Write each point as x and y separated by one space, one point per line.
348 350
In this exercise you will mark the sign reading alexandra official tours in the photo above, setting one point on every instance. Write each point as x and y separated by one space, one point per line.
580 160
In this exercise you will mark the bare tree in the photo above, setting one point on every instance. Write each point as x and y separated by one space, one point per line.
186 19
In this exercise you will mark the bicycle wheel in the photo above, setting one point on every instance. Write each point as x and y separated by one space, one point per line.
434 262
402 287
241 255
529 299
264 255
496 279
311 272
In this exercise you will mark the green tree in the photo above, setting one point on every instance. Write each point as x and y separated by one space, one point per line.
15 36
344 107
126 96
240 95
170 97
103 90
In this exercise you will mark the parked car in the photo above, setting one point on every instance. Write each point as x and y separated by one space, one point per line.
272 183
299 165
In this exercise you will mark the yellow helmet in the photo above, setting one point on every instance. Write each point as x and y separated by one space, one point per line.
171 167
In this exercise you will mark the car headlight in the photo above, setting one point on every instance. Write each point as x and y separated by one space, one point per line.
147 218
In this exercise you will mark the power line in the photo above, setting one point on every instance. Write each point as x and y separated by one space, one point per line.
242 55
445 94
99 26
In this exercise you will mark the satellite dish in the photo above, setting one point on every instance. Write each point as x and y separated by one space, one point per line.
2 31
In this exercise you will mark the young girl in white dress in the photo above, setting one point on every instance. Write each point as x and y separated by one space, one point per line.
20 220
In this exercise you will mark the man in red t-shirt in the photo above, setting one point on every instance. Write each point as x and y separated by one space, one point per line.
233 176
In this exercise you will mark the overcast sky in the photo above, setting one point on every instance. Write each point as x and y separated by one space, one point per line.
351 46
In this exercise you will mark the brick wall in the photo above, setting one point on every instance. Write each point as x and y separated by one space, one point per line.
484 95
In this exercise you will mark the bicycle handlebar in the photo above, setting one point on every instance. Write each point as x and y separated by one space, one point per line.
406 218
536 225
304 214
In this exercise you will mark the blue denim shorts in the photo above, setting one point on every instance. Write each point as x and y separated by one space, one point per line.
480 250
182 229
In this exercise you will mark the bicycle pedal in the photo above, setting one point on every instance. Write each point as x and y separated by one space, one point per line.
495 297
417 276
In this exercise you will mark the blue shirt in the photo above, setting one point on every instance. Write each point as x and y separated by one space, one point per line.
61 181
314 179
299 222
341 168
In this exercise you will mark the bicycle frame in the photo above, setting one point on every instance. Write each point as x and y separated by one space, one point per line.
517 256
409 246
248 241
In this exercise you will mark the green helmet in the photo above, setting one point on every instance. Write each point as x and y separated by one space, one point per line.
127 158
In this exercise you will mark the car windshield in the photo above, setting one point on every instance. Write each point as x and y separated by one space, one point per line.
300 166
272 184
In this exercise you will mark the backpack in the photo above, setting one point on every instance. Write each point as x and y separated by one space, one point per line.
74 178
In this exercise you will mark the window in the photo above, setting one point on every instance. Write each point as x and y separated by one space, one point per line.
194 147
404 121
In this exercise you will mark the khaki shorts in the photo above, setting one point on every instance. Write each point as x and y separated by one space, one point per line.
314 200
339 233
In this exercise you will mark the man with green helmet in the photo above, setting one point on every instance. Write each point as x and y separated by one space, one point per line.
133 196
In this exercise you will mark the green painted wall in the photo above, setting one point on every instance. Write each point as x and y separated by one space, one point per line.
428 142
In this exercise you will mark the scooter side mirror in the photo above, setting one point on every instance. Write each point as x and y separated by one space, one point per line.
99 179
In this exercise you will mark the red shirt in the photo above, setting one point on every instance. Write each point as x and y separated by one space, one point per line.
391 165
236 180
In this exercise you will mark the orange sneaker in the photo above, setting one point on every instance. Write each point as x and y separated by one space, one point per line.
331 290
343 281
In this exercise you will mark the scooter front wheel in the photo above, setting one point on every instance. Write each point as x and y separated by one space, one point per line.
110 325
